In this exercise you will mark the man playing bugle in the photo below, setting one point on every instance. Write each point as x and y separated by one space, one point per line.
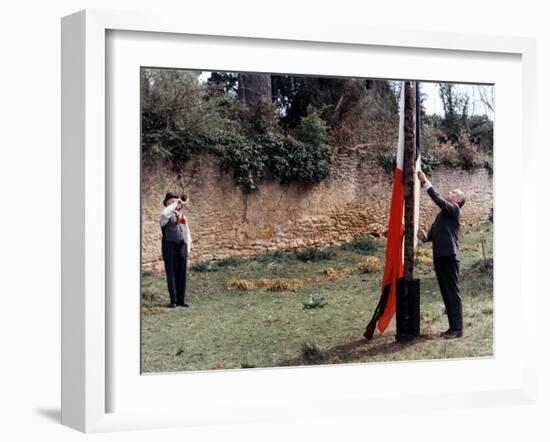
176 246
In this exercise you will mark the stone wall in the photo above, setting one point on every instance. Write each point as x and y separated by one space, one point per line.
354 201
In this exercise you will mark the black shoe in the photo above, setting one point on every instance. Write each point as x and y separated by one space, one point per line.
172 305
450 334
183 305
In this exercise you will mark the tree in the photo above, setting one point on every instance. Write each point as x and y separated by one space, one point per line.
229 81
455 108
254 92
487 96
254 89
294 94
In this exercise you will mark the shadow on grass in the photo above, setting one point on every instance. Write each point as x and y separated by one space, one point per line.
359 350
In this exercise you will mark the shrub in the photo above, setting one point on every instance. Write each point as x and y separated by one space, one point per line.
462 153
205 266
429 136
367 114
315 302
344 135
245 158
447 154
429 163
182 118
311 354
312 128
276 256
290 159
232 261
481 129
262 118
387 161
272 155
468 152
313 255
361 244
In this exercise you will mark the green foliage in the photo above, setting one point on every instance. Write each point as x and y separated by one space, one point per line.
294 94
387 161
287 138
313 255
276 256
481 129
306 255
429 139
458 139
205 266
228 80
312 128
232 261
261 119
361 244
293 160
428 163
369 116
254 328
246 159
273 156
455 106
315 302
182 118
215 265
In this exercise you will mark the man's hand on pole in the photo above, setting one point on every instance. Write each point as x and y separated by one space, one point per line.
421 177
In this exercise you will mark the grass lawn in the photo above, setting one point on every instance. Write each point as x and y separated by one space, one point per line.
233 328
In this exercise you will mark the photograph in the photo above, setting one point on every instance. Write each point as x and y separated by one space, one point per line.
275 222
299 220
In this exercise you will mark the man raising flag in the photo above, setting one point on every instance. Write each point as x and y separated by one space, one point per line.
395 269
446 254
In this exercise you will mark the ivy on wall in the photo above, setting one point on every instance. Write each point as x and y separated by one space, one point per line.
182 119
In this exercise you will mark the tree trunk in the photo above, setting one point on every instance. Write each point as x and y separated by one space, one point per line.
408 171
254 89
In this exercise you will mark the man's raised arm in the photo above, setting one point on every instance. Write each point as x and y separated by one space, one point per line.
442 203
167 213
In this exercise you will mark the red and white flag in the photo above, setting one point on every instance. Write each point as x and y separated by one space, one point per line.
394 264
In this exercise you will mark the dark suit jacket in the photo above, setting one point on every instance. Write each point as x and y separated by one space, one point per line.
444 230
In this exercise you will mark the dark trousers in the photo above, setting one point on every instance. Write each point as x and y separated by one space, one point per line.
174 255
447 272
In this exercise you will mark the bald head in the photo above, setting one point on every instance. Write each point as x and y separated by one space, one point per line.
456 196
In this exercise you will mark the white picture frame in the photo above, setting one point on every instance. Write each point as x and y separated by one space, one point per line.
87 355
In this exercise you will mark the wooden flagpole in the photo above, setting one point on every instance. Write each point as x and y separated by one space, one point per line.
408 288
409 172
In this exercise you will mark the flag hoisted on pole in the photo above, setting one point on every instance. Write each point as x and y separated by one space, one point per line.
418 162
394 268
